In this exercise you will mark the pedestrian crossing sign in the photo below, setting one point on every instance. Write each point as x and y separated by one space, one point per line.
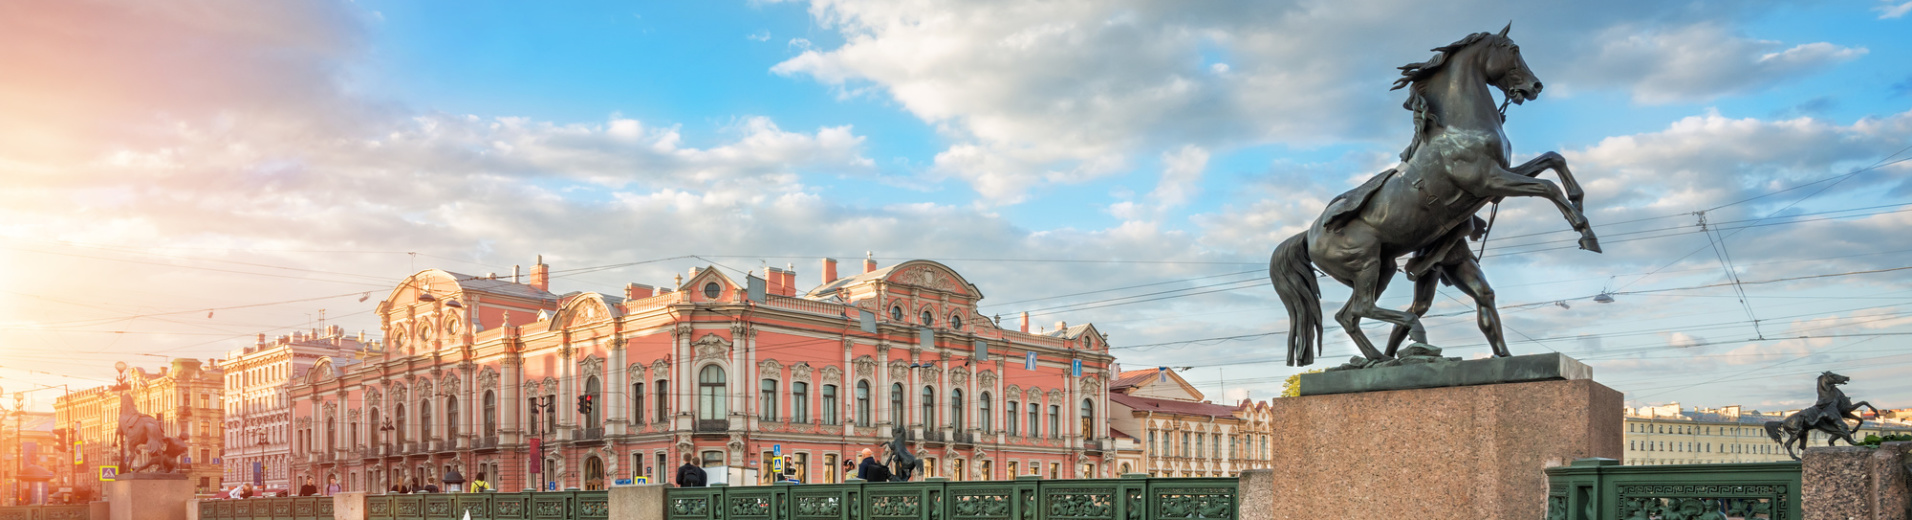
109 473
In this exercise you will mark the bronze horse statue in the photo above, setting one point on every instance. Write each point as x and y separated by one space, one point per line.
1829 414
905 462
141 434
1457 163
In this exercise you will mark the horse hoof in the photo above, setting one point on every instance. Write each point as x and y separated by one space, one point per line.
1590 243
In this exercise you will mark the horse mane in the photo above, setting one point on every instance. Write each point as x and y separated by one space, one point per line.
1411 76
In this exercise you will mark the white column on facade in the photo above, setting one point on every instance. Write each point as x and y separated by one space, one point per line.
746 368
913 392
618 409
512 385
880 387
683 378
468 404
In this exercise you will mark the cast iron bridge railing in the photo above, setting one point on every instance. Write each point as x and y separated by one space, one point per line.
554 505
61 512
1599 489
1026 498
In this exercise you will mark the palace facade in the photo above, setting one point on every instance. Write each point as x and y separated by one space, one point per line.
491 375
1667 434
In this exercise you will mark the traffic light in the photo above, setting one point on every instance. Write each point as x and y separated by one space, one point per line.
59 437
584 404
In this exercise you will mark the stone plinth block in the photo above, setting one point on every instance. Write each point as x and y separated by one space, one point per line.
641 502
1460 452
1856 483
138 496
349 505
1552 366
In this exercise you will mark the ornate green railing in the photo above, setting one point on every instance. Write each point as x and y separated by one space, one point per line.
557 505
1026 498
68 512
1602 489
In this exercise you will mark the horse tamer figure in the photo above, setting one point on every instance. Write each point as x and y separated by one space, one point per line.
1457 163
1828 414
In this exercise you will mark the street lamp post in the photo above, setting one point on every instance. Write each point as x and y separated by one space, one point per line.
385 434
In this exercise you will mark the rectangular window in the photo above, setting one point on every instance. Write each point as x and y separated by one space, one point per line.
800 402
1152 451
767 403
1055 421
1215 447
637 403
1012 470
831 471
830 404
1009 419
1198 445
662 391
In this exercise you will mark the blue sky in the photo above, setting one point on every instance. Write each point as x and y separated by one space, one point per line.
1102 145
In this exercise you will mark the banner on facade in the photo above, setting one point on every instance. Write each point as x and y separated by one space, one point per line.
537 453
1075 368
1029 361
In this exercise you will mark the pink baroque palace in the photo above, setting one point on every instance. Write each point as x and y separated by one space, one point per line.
484 374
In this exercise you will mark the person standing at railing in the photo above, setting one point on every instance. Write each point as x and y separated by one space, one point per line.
870 470
689 475
308 489
331 485
479 485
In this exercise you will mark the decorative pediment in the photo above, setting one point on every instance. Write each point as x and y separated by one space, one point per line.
958 377
711 346
551 385
800 371
635 372
1055 396
331 409
865 367
592 365
398 392
583 310
930 276
832 374
1091 384
770 367
488 380
1012 393
987 379
899 371
1033 394
660 369
423 388
372 395
352 415
451 386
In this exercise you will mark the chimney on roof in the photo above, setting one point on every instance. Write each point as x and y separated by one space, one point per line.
541 275
773 281
790 280
1025 321
1062 326
515 278
869 261
638 290
829 271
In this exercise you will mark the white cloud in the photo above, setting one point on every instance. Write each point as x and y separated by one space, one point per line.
1698 62
1889 11
761 36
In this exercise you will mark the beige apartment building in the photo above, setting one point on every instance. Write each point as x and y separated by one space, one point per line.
1179 434
1669 434
258 426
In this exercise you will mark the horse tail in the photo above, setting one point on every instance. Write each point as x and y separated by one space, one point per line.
1772 430
1293 275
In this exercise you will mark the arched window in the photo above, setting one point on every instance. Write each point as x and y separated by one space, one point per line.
896 404
956 321
767 401
863 403
491 413
710 393
1088 419
451 418
1055 421
799 402
896 313
592 389
956 409
1009 418
637 403
378 434
928 319
983 417
929 407
425 419
331 433
830 404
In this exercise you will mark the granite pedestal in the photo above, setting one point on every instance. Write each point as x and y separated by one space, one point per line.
148 496
1456 452
1856 483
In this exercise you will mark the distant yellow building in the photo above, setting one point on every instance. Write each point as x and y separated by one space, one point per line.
1668 434
184 396
1173 432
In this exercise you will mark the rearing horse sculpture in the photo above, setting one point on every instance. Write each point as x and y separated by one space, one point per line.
1457 164
1829 414
140 434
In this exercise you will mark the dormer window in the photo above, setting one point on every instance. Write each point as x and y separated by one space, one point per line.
711 290
896 314
956 321
928 319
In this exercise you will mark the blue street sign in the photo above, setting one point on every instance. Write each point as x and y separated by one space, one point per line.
1164 372
1075 368
776 450
1029 363
623 482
